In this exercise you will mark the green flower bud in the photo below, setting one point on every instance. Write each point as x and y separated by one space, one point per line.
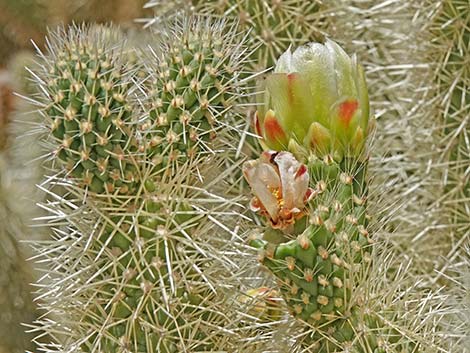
317 96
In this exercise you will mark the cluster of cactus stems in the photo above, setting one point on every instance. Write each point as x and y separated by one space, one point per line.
136 217
151 247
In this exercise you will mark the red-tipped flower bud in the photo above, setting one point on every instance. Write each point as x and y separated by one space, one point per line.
318 97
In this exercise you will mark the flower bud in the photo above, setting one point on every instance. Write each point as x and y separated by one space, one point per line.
318 97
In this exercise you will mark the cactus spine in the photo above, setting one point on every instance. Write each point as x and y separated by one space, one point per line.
129 189
193 86
451 38
274 25
137 268
321 250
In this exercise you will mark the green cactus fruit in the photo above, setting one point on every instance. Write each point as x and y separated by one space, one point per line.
87 106
193 86
273 25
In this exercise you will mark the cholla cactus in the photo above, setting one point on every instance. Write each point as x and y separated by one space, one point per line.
316 105
273 25
318 238
89 111
135 260
193 84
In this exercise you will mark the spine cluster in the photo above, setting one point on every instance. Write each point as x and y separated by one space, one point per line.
134 270
152 247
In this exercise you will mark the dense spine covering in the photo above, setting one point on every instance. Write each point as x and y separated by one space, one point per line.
136 266
182 126
273 25
89 113
316 106
320 269
450 45
329 269
192 87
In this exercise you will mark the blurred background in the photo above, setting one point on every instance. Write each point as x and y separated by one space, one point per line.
23 20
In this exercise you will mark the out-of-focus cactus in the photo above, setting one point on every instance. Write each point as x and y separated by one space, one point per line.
263 303
134 261
273 25
23 20
20 21
449 53
16 301
6 107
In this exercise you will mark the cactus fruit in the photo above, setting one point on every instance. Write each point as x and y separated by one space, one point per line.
136 266
274 25
194 84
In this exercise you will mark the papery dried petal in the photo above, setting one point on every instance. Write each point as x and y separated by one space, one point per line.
280 186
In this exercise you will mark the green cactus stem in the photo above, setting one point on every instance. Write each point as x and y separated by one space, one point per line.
88 111
133 256
451 39
195 74
317 241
